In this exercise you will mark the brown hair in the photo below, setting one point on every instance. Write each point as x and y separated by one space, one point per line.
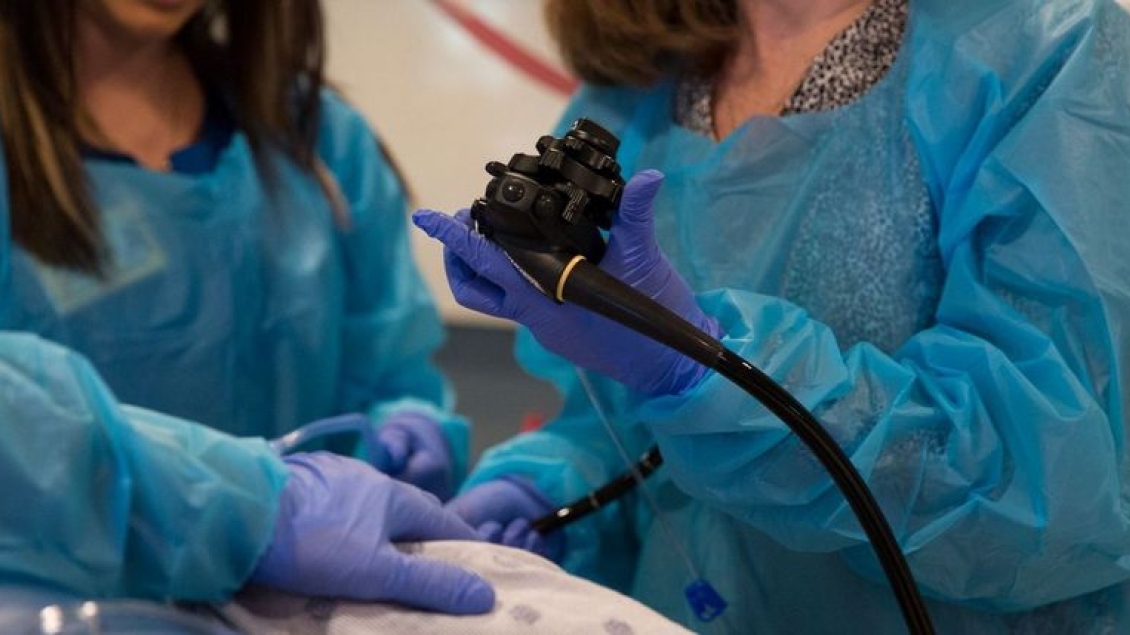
637 42
264 56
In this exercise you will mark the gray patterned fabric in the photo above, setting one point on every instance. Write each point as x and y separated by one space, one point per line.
533 596
854 61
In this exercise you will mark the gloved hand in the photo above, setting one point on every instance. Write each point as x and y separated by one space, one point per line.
501 511
483 279
333 537
416 452
408 446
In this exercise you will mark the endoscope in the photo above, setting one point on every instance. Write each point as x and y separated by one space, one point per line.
546 211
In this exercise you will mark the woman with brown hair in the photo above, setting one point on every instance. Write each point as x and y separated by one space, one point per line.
192 225
911 214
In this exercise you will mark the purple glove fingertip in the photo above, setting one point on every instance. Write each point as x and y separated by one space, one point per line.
418 452
397 444
429 220
639 193
490 531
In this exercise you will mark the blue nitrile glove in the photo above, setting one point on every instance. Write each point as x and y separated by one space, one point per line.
501 511
416 452
333 537
483 279
408 446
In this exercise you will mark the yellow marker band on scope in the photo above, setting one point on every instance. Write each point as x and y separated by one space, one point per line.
565 276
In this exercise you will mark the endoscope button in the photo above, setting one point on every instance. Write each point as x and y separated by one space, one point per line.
513 192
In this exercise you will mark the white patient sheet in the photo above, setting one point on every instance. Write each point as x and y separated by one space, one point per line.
533 596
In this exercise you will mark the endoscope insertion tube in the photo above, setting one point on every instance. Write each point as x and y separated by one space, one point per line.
579 282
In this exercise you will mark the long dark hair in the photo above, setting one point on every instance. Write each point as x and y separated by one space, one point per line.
265 57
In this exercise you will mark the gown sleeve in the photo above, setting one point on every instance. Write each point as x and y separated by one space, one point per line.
106 500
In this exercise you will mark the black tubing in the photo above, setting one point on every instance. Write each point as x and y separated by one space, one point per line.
614 489
588 286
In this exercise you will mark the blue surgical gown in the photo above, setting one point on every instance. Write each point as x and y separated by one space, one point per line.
233 301
941 272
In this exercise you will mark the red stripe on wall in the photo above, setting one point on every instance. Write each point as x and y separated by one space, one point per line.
508 49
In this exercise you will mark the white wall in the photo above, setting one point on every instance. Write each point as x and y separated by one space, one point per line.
443 102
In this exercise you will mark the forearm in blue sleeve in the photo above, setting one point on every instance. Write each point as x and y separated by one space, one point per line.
105 500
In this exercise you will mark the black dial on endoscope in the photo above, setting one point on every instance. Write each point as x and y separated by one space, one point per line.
558 200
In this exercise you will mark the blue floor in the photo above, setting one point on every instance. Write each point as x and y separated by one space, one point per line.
490 388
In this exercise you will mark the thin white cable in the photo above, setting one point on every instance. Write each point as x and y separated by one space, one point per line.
664 523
